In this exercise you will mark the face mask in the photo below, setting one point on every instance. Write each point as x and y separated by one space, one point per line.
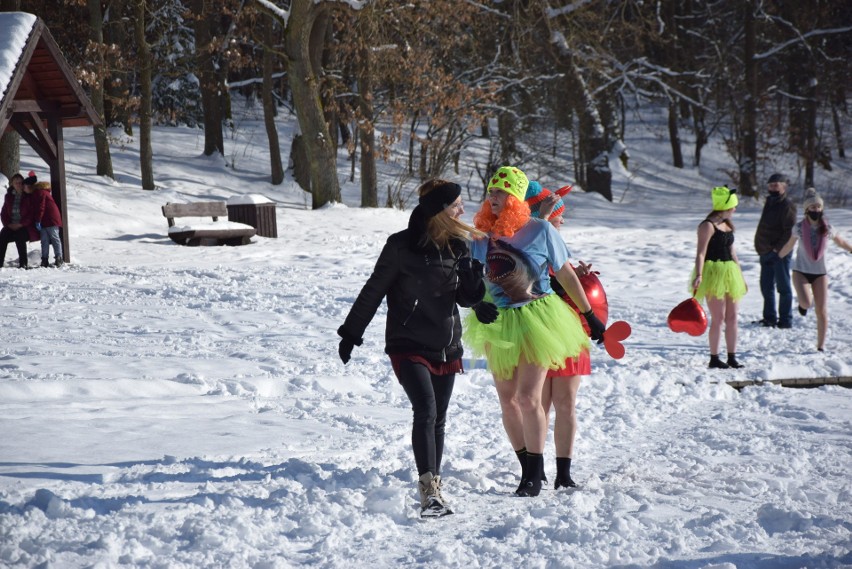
815 215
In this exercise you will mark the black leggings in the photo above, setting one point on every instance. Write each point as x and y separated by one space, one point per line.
430 396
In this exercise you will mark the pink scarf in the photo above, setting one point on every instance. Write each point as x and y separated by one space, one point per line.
816 250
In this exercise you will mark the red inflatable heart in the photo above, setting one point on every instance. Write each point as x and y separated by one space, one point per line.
613 336
689 317
597 299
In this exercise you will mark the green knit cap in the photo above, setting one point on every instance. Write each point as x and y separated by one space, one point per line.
511 180
724 198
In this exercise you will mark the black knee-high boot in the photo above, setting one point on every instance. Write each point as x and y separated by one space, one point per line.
563 474
535 469
522 458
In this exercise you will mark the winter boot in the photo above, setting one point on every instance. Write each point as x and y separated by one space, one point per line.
563 474
732 361
58 262
716 363
522 458
44 262
535 469
440 495
430 505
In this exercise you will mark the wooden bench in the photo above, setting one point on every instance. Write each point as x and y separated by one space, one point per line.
217 233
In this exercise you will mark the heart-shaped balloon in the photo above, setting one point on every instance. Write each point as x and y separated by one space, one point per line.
689 317
613 336
597 299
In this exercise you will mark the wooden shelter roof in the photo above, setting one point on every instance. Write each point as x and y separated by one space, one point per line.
42 83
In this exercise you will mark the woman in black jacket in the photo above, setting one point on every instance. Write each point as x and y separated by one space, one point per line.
425 272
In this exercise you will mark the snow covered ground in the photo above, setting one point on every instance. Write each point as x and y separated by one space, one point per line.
167 406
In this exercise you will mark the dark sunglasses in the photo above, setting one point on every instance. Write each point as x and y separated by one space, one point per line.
731 191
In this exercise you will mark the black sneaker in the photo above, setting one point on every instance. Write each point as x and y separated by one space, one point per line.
785 326
734 364
766 323
716 363
803 311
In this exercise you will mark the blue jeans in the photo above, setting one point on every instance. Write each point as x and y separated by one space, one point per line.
50 236
775 275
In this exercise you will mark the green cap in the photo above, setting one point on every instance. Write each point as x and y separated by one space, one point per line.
724 198
511 180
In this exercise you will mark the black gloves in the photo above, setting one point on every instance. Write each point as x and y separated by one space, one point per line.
344 349
470 272
486 312
596 327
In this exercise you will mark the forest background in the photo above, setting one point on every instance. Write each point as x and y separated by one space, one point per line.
769 77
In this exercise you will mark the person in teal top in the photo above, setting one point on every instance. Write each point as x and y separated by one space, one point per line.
535 331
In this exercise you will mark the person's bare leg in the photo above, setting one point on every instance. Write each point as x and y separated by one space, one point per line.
716 306
803 293
565 403
731 326
547 398
820 288
510 410
530 380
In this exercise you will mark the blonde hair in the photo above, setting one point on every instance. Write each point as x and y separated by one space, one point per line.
442 227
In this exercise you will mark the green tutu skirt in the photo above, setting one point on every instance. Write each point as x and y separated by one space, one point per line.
720 278
546 332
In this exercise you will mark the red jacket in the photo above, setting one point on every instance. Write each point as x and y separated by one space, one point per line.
27 217
45 209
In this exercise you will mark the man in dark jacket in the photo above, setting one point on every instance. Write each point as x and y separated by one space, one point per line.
773 231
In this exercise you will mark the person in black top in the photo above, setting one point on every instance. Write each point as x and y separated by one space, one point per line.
717 275
773 231
425 272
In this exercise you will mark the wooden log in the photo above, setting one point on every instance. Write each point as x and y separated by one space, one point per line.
843 381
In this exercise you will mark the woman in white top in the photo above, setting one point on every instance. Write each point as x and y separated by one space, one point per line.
809 275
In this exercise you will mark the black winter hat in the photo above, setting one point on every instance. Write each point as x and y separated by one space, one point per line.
776 177
31 179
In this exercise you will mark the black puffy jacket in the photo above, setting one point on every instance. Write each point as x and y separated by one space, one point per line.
422 291
775 225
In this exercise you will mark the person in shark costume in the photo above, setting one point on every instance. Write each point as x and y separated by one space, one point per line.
535 331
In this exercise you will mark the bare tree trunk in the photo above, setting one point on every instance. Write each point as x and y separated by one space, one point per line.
208 61
10 153
592 136
143 52
104 164
674 135
10 142
810 131
506 134
701 137
367 133
116 30
270 39
835 115
748 159
304 85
